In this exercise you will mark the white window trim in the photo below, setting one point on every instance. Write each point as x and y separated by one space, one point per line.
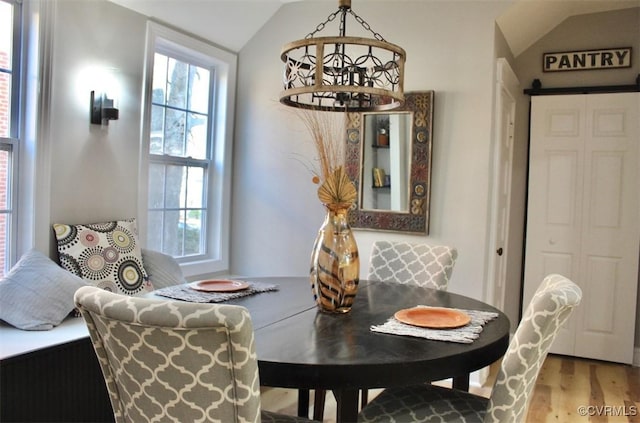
33 228
219 215
13 138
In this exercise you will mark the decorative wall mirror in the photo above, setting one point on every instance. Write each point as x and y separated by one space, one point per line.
388 157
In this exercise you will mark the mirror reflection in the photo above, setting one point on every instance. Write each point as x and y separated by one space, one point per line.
386 161
388 158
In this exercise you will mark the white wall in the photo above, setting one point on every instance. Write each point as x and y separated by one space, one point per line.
449 50
94 170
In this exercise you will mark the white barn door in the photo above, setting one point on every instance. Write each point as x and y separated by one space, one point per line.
583 217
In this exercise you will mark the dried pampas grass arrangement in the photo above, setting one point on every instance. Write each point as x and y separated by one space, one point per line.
328 135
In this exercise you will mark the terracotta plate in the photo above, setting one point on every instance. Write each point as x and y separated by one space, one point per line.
219 285
433 317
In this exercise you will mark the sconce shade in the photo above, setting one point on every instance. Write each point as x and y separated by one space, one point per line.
343 73
103 109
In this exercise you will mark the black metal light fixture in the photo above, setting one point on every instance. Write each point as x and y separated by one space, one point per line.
342 73
103 109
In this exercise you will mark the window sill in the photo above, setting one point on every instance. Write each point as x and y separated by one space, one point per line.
203 268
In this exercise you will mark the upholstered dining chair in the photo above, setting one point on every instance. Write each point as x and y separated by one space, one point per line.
412 263
175 361
406 263
550 307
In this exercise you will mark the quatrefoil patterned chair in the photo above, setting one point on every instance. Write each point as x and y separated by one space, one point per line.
412 263
419 264
550 307
172 361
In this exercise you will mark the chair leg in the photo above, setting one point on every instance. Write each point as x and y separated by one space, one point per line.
303 403
461 383
318 404
364 398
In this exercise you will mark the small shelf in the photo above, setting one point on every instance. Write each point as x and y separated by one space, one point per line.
379 146
381 187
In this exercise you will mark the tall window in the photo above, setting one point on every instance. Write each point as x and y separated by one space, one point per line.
190 120
179 156
9 107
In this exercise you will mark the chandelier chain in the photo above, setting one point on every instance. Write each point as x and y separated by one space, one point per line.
366 26
358 19
321 25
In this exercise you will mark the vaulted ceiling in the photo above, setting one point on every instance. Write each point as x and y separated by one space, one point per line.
232 23
526 21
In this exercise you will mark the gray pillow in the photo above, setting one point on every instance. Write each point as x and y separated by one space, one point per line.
37 294
163 269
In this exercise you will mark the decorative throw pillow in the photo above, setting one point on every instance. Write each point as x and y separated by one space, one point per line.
106 255
37 294
163 270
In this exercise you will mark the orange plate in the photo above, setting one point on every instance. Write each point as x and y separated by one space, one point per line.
433 317
219 285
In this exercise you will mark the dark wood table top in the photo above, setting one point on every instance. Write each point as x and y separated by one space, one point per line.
300 347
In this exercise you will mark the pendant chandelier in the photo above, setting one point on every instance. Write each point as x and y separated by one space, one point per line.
341 73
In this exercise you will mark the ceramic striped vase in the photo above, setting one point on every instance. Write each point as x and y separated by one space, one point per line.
335 265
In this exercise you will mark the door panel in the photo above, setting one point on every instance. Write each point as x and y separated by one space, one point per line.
561 188
600 300
606 190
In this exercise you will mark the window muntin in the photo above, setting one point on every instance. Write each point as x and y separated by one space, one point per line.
7 35
10 31
180 149
5 206
181 108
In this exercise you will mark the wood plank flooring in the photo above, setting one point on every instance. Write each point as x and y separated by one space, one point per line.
569 387
566 386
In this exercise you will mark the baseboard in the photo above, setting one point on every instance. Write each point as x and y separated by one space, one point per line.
636 357
477 379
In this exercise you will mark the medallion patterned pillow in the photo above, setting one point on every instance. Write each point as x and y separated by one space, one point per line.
106 255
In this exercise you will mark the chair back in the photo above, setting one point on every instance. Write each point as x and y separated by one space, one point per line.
412 263
549 308
173 361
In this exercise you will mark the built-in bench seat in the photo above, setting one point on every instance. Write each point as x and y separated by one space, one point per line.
16 342
53 375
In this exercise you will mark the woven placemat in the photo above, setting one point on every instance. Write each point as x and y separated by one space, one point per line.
464 335
186 293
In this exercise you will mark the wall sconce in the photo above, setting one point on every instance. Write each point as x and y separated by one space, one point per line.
103 109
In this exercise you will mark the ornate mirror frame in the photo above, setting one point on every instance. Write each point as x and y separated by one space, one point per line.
416 220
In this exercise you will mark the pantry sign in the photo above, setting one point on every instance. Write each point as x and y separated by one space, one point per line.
610 58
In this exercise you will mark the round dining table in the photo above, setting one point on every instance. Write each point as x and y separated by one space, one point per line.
300 347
